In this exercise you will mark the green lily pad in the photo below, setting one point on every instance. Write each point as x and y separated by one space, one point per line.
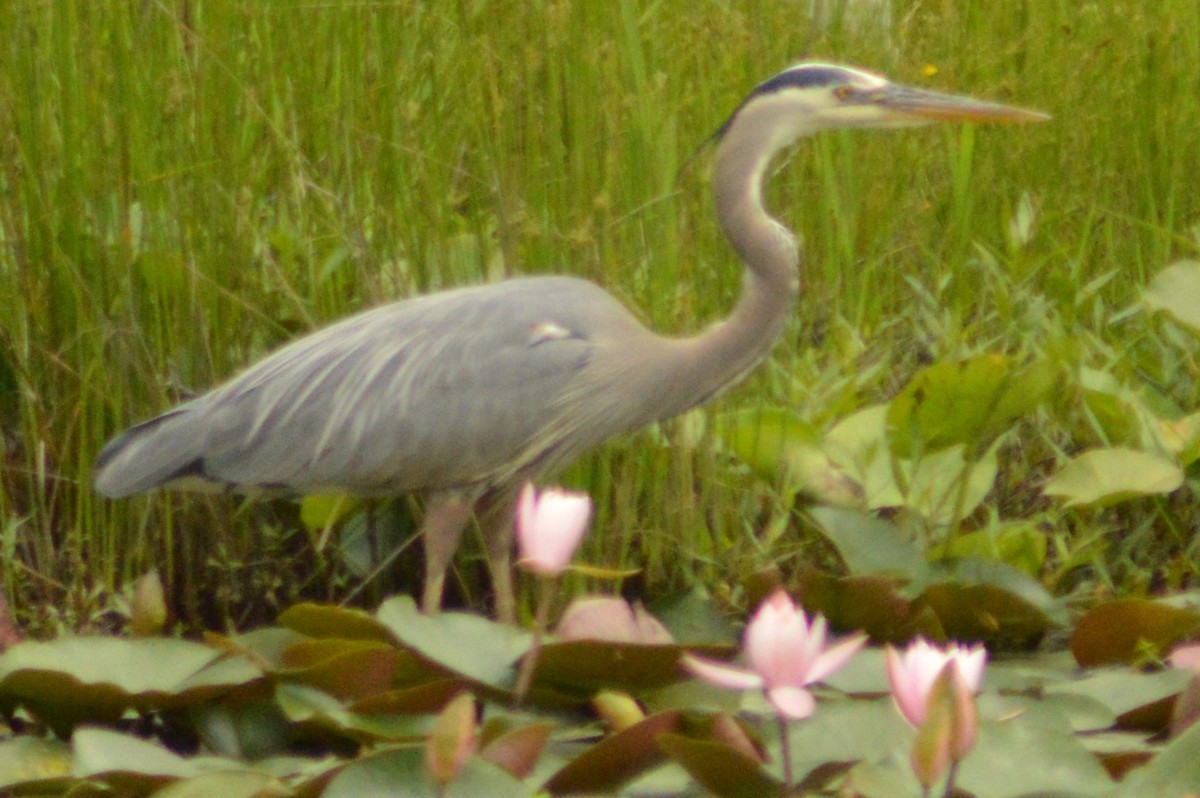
226 785
1174 771
106 675
1022 757
487 661
318 710
400 773
1123 691
133 766
37 763
1101 477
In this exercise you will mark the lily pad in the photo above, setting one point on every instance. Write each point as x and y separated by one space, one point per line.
106 675
590 665
323 620
722 770
35 762
615 760
487 661
1129 630
400 773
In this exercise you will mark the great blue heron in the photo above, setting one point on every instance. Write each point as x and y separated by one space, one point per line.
461 395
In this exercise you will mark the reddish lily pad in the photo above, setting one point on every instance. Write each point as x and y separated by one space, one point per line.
616 759
323 620
591 665
721 769
873 604
517 751
348 669
1130 630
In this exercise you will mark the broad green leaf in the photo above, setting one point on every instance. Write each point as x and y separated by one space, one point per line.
931 484
782 447
1102 477
869 545
440 640
1118 410
693 618
1129 631
968 402
1176 290
935 486
859 445
1181 437
1022 545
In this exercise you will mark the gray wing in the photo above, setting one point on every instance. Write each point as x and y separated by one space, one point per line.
437 392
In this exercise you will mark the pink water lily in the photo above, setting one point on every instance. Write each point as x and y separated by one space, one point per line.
786 654
550 526
911 673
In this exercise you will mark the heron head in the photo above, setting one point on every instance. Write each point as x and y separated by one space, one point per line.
809 97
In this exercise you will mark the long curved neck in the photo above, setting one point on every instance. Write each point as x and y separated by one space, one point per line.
724 353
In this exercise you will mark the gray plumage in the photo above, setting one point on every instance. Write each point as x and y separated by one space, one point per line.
461 395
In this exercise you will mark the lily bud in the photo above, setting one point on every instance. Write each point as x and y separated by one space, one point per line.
550 526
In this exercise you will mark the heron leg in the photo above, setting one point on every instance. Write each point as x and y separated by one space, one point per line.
497 529
446 516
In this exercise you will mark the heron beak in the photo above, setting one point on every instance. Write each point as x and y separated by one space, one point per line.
918 105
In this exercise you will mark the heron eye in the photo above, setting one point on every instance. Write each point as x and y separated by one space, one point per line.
843 93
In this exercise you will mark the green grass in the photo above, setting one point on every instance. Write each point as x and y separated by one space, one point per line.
188 184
